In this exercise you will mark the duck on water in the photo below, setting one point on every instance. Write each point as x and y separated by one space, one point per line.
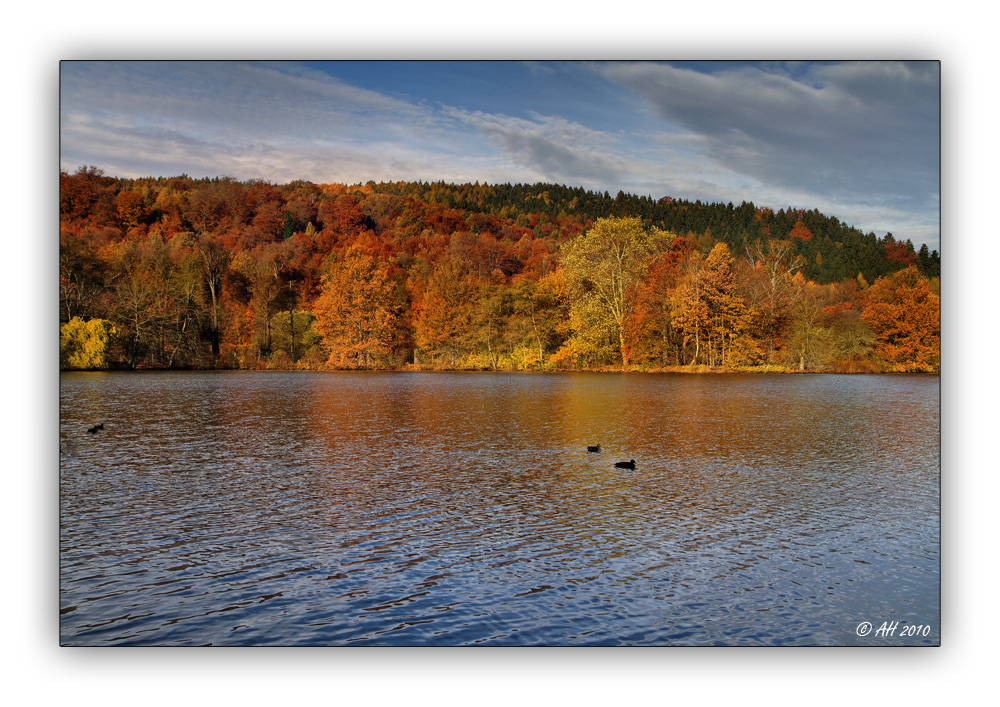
621 465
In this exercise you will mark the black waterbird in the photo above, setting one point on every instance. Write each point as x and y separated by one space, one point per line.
93 430
626 465
595 448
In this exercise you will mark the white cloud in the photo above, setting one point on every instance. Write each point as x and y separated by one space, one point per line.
554 148
790 132
860 135
279 122
258 98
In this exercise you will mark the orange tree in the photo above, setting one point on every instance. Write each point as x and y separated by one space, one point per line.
444 323
357 313
905 316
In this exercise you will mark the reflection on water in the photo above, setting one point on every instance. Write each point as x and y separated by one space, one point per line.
457 509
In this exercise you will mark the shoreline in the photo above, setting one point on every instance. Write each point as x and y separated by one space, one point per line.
411 368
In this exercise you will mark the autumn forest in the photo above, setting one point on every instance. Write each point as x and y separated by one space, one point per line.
218 273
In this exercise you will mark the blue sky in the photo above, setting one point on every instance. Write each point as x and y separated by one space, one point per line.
856 140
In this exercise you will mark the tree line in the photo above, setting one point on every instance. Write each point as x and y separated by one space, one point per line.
216 273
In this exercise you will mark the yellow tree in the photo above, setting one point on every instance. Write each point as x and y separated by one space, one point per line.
707 310
689 308
601 268
357 313
84 345
810 342
729 316
541 308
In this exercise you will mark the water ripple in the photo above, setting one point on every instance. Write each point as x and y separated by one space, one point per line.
277 509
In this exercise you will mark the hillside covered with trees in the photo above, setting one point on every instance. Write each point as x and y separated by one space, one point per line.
216 273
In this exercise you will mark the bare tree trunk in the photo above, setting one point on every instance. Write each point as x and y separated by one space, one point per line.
180 336
291 320
489 350
215 318
534 327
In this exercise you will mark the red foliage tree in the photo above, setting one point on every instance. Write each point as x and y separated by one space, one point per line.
800 231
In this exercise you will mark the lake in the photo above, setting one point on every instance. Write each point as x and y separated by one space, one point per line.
415 509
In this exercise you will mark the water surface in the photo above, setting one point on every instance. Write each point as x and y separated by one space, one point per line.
245 508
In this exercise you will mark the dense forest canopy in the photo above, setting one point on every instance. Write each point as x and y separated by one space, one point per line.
182 272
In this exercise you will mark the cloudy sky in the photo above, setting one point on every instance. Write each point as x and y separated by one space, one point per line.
856 140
